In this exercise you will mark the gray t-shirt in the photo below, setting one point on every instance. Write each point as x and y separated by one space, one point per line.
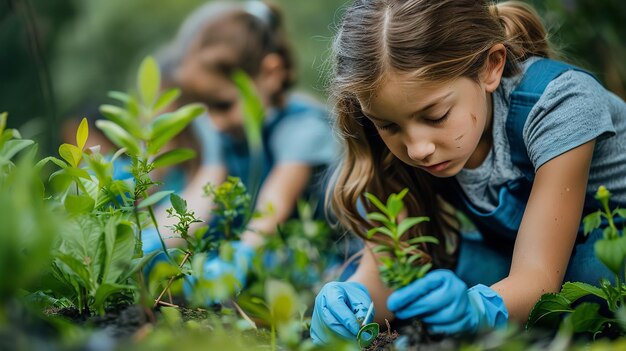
573 110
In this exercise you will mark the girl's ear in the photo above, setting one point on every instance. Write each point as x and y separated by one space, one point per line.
494 67
271 75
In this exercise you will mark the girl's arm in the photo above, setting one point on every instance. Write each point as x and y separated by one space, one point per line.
367 274
548 231
282 188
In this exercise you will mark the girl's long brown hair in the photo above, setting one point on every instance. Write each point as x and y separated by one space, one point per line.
430 40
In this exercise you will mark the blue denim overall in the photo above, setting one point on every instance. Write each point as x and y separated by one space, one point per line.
485 257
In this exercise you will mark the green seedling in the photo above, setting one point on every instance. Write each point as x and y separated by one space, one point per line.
586 317
403 259
369 331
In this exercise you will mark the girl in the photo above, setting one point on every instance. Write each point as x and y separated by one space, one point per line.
214 41
455 100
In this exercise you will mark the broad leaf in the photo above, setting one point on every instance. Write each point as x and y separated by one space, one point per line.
548 310
179 204
168 125
253 110
586 318
82 133
282 300
166 99
12 147
119 240
576 290
592 221
121 117
148 81
71 154
76 204
154 198
119 136
106 290
173 157
611 253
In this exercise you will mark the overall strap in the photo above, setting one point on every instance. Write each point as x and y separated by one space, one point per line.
522 100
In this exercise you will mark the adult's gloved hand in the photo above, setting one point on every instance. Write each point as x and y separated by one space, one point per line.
238 263
339 307
442 301
236 260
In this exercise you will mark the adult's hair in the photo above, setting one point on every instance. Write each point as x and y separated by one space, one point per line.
253 29
429 41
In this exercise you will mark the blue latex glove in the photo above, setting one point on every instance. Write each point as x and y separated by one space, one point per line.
215 267
337 308
243 255
442 301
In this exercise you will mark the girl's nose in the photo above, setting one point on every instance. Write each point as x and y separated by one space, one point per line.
420 150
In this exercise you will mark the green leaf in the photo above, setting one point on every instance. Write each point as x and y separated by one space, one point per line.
548 310
367 334
12 147
592 221
576 290
148 81
82 133
252 108
374 200
423 239
586 318
119 239
107 289
75 268
121 117
76 204
611 252
71 154
621 212
282 300
179 204
54 160
377 216
382 230
119 136
166 99
3 121
395 203
168 125
408 223
173 157
154 198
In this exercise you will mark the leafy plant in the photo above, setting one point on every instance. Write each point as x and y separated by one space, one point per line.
402 261
563 308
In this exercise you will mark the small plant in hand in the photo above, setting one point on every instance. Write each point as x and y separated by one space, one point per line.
564 309
402 261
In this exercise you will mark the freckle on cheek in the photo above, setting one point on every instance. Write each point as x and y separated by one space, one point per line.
474 119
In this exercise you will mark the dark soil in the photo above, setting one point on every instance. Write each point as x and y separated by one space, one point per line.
384 341
120 322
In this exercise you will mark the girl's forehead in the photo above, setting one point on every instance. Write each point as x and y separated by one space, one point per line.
402 88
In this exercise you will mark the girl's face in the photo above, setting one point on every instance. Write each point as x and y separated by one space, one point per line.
440 128
202 78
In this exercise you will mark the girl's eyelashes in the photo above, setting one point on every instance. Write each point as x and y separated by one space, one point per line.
391 127
439 120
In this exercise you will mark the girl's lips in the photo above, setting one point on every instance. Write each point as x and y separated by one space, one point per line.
437 167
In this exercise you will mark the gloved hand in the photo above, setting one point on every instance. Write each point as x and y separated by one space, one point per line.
337 308
239 263
236 262
442 301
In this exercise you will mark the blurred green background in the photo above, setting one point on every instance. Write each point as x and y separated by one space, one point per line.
58 58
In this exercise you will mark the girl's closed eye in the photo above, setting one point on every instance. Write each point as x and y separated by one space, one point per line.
439 120
391 127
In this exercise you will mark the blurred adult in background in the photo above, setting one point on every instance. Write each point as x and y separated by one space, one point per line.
214 41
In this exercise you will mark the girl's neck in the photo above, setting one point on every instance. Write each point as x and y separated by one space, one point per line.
486 140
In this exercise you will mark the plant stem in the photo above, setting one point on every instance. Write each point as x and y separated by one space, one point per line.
156 226
273 336
169 283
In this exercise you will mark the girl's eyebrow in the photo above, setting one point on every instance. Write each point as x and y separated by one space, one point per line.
434 102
